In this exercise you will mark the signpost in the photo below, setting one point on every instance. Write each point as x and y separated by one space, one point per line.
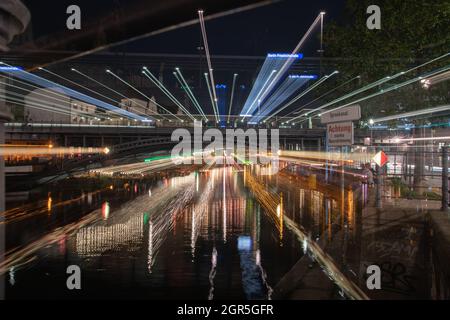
340 134
340 126
380 158
349 113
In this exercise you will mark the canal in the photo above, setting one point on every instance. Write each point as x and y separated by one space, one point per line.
221 233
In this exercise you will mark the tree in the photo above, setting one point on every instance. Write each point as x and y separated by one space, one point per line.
412 33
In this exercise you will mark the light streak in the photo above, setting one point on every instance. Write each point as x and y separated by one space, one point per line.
323 95
375 84
39 104
383 91
155 81
283 92
208 58
190 93
290 60
140 92
211 97
316 84
248 113
179 76
112 90
398 140
77 84
410 114
24 75
232 96
444 76
6 150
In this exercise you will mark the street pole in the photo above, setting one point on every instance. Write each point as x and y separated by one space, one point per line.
378 200
445 179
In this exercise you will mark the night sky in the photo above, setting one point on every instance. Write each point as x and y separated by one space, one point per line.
274 28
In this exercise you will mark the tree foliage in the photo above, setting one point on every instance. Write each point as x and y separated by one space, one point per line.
412 32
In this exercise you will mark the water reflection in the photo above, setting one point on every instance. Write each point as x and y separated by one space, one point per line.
217 233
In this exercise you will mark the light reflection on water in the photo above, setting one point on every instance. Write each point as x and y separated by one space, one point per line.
202 236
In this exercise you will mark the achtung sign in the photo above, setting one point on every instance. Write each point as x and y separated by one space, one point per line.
340 134
349 113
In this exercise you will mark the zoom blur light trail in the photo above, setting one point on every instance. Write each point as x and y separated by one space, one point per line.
412 114
7 150
208 58
444 76
157 83
374 84
77 84
140 92
232 96
298 110
177 77
27 76
211 97
247 111
283 92
116 92
189 92
60 109
318 83
265 73
383 91
290 60
39 103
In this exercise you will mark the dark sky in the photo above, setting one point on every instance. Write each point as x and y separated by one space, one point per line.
274 28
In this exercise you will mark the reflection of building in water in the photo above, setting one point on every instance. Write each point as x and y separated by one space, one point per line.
94 240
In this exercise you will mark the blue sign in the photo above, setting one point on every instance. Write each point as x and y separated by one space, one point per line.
285 55
302 76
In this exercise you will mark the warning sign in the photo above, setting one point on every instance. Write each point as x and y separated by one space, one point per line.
340 134
380 158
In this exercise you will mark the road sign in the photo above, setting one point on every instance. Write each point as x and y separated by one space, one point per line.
349 113
380 158
340 134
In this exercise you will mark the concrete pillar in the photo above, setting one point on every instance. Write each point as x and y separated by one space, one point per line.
14 18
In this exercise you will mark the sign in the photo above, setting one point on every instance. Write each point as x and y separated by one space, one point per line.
380 158
303 76
285 55
340 134
349 113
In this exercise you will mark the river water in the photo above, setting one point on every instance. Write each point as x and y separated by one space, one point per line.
216 234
